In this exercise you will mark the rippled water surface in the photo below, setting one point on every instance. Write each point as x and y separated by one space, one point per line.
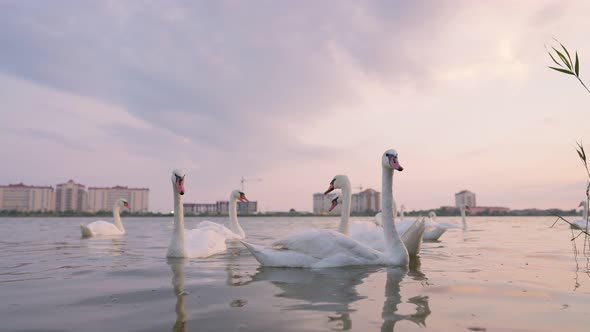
504 274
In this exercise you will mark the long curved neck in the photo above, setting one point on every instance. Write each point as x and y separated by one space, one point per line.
393 242
233 217
178 232
401 212
117 218
463 218
585 215
345 212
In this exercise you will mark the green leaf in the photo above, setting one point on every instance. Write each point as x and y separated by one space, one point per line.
566 52
577 66
552 58
563 58
562 70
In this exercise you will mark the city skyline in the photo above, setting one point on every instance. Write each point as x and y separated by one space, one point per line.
295 94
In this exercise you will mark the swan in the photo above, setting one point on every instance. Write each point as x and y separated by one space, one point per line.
196 242
318 248
235 232
581 223
101 227
451 225
368 233
433 232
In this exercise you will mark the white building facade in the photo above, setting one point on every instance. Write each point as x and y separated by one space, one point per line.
367 201
23 198
103 198
71 196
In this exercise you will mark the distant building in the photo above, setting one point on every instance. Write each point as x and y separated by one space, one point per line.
322 203
220 208
25 198
103 198
465 198
367 201
198 208
71 196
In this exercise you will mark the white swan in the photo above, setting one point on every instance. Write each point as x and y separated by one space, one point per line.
190 242
326 248
369 233
235 232
101 227
433 232
452 225
581 223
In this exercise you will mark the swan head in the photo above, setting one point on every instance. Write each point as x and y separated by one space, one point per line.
582 203
237 195
178 181
121 202
390 160
337 200
338 182
431 214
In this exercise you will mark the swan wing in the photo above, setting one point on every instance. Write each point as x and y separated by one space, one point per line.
315 249
207 225
433 233
413 235
100 227
203 243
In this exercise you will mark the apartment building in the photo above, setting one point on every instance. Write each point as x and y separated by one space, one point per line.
23 198
103 198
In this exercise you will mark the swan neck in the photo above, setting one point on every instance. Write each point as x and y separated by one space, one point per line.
233 217
463 218
345 212
393 243
117 218
401 212
585 215
178 232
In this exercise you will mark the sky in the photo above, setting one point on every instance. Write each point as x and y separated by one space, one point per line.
294 92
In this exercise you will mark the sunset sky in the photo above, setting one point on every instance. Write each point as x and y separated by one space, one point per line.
295 92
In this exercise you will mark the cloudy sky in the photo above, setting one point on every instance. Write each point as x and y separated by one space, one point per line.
123 92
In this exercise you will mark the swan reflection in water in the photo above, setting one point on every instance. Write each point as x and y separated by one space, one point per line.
177 266
333 290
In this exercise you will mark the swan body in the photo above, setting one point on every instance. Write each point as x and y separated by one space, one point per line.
326 248
235 232
191 242
581 223
368 233
101 227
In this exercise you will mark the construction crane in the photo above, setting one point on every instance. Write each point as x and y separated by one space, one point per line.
248 179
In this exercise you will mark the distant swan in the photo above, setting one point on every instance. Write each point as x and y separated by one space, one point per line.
581 223
235 232
101 227
196 242
368 233
433 232
451 225
326 248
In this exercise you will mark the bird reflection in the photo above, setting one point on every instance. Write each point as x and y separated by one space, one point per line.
331 290
393 297
177 266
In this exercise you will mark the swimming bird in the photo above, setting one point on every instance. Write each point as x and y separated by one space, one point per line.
101 227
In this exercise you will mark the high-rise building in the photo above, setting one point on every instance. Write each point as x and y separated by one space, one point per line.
70 196
466 198
103 198
322 203
25 198
367 201
220 207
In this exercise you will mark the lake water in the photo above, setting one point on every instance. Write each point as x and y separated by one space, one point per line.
504 274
